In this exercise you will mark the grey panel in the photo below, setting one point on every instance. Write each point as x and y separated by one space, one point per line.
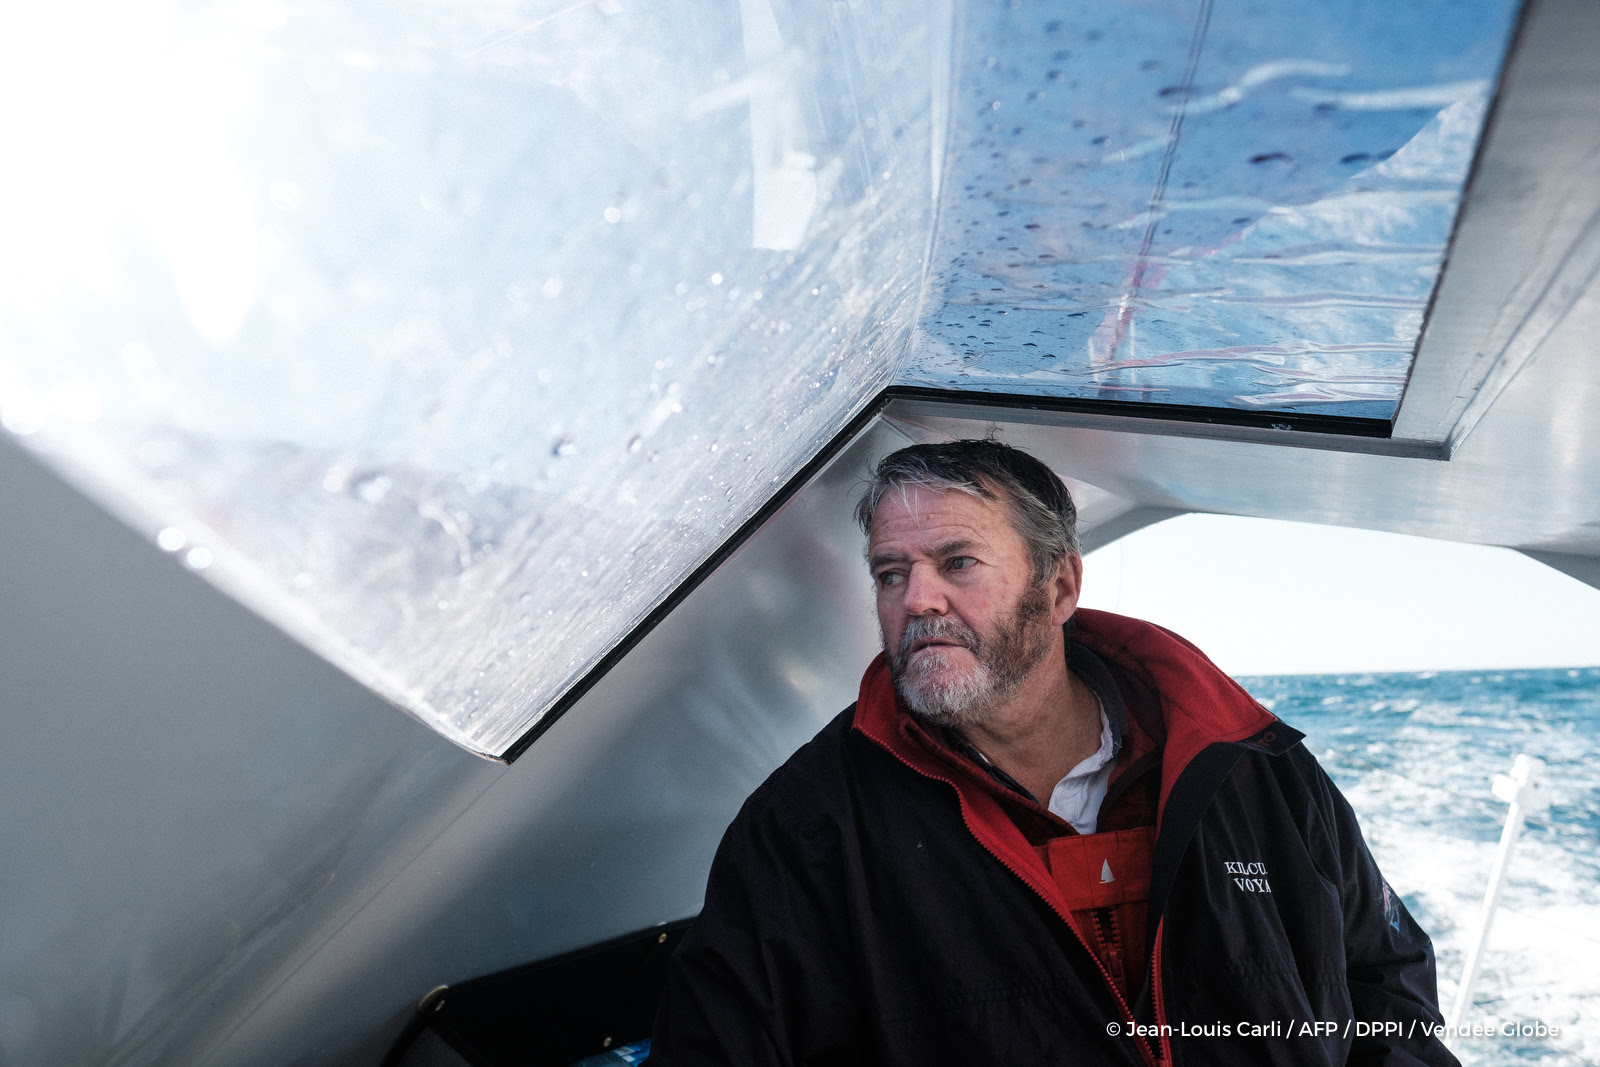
1121 526
1528 244
1584 568
608 823
189 797
1274 434
220 849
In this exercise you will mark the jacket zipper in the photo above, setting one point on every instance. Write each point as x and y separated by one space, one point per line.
1160 1006
1127 1013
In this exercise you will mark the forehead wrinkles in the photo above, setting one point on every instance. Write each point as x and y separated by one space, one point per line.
905 490
923 507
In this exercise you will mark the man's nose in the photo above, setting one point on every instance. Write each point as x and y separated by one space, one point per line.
924 593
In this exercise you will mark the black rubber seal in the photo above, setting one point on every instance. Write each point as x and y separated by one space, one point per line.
1303 422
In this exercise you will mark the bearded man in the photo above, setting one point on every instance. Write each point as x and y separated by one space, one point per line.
1042 835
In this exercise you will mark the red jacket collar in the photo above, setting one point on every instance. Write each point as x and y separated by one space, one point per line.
1200 705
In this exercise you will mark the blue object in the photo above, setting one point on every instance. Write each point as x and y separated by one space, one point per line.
632 1055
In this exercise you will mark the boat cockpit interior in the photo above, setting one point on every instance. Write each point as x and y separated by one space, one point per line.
430 432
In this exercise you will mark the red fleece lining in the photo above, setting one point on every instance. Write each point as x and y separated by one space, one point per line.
1201 705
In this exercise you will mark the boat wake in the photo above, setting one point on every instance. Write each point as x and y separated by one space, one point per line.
1415 753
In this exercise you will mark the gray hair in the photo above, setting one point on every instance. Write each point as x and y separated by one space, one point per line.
1042 511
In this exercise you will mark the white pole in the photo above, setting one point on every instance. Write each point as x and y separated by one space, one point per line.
1521 790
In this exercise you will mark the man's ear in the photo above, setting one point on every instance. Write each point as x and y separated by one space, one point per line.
1067 585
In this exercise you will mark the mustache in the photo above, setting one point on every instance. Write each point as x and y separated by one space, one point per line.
932 627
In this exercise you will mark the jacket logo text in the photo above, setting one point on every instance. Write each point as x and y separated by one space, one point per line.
1249 877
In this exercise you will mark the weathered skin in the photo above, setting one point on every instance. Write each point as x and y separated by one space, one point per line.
946 553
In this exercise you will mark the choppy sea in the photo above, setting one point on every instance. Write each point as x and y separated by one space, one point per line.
1415 754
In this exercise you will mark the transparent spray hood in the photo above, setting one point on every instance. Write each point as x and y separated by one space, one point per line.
453 338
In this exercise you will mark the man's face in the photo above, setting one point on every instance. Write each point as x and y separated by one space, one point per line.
962 621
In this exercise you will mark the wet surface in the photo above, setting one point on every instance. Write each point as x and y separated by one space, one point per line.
1216 204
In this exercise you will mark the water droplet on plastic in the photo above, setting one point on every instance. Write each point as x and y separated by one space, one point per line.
563 446
171 539
551 288
635 443
373 489
613 215
336 479
716 279
198 558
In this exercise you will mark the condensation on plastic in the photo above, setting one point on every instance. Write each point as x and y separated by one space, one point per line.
1204 202
451 338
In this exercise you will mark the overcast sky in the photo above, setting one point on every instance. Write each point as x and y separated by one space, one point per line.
1262 596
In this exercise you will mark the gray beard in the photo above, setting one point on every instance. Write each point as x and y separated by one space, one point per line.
1004 658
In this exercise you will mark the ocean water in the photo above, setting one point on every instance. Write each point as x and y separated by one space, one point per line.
1415 754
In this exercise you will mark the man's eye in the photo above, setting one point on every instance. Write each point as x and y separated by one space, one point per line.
888 578
961 563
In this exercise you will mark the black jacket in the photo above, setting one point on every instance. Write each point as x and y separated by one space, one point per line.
865 908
